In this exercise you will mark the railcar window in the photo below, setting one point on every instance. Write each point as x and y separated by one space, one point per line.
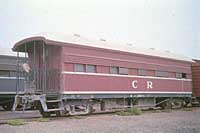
13 74
91 68
79 68
123 71
8 61
4 73
162 74
181 75
142 72
184 75
114 70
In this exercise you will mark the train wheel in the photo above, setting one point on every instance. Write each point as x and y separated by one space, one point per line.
166 105
58 114
44 114
7 107
90 109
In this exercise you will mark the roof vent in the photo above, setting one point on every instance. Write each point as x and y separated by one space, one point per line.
77 35
101 39
167 51
129 44
152 48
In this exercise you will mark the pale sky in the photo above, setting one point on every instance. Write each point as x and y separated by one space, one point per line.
161 24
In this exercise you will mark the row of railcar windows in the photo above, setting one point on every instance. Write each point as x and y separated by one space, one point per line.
124 71
85 68
7 73
11 73
119 70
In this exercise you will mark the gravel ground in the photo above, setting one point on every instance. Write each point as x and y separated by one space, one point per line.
173 122
7 115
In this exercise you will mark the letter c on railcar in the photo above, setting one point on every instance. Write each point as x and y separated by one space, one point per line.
134 84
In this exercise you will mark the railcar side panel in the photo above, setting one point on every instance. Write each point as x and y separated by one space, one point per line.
105 83
97 52
108 58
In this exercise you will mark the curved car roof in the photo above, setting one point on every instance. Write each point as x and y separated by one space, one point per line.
80 40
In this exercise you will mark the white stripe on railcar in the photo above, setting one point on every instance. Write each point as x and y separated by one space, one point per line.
126 76
124 92
11 78
11 92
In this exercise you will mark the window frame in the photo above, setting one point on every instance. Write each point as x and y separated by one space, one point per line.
6 74
181 75
86 68
178 75
164 74
111 68
184 75
122 72
76 67
142 72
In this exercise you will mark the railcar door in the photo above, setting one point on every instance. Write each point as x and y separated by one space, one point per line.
44 60
36 77
40 61
53 68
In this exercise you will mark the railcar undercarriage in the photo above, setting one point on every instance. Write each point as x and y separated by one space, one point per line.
60 105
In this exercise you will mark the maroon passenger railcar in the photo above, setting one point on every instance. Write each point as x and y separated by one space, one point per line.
99 74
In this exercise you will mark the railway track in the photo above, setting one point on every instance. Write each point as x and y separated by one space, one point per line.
30 116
